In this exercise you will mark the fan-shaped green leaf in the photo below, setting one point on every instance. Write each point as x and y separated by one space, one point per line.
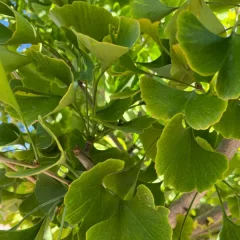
9 134
228 81
23 32
129 221
123 183
183 162
99 49
228 125
128 33
200 45
87 200
151 9
7 56
201 110
114 110
84 18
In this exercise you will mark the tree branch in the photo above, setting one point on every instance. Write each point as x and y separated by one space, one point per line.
228 147
10 163
83 159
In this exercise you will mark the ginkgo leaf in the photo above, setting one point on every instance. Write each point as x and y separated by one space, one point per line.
6 94
183 162
228 125
151 9
84 18
200 45
229 231
7 56
114 110
51 68
201 110
99 49
87 200
9 134
228 81
129 221
199 9
128 33
23 31
123 183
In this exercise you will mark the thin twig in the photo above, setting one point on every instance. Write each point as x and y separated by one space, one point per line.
30 179
12 162
115 140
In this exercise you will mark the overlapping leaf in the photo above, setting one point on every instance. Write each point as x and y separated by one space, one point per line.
123 183
128 33
7 56
201 110
9 134
114 110
202 51
184 163
87 200
87 19
129 221
228 126
23 32
99 49
200 45
151 9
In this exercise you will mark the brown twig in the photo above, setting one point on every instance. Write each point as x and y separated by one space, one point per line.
10 162
30 179
83 158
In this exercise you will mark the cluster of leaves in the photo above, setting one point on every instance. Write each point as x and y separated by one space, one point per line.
110 110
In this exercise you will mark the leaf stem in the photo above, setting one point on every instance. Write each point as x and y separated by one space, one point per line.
220 200
62 223
95 87
31 140
224 3
37 208
185 218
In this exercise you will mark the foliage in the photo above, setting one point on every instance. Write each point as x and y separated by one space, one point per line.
111 111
